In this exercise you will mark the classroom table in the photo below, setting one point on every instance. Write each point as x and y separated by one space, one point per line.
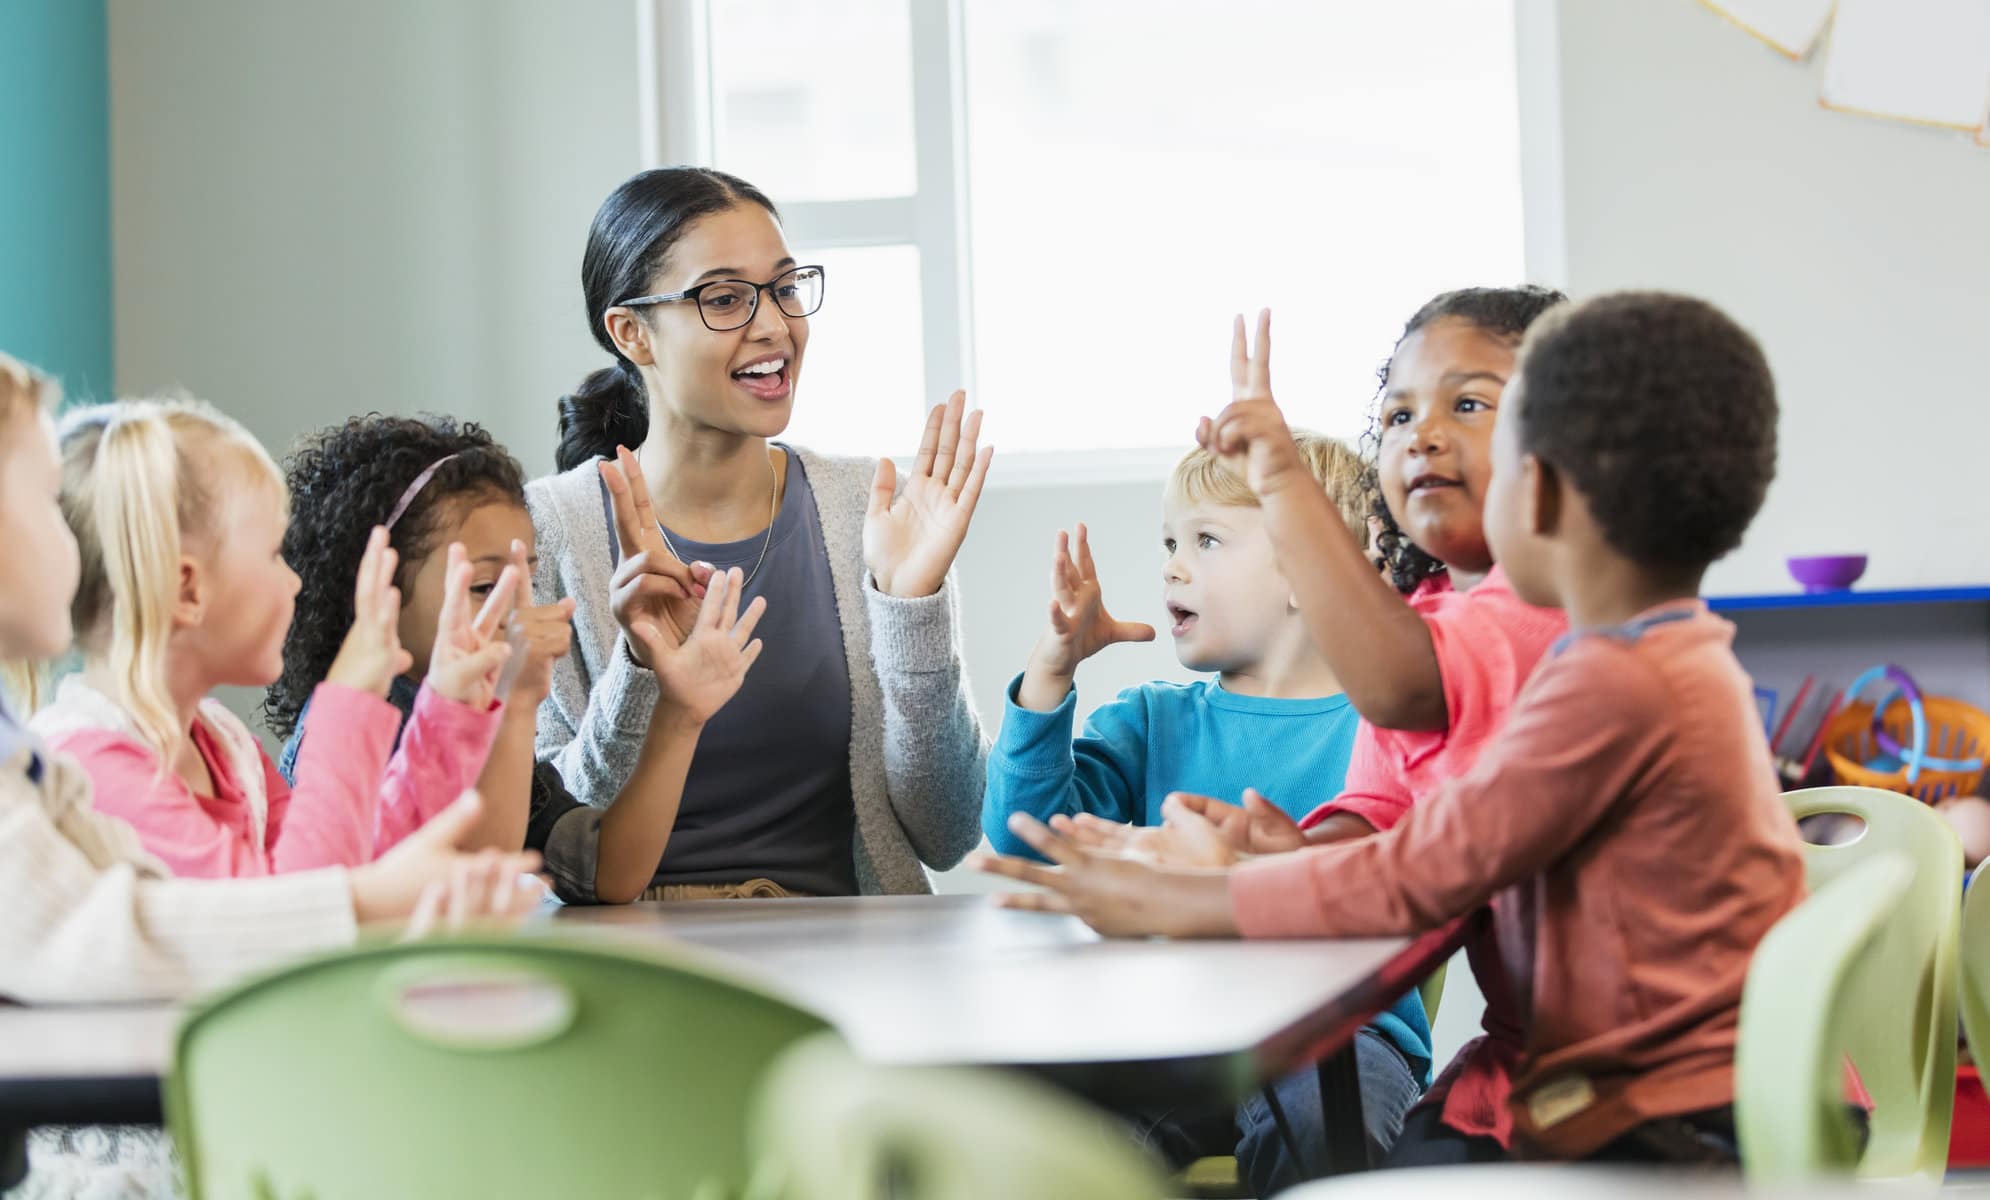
910 979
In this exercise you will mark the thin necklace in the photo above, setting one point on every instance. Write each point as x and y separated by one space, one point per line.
773 510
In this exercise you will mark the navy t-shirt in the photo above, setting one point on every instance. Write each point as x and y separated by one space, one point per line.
769 789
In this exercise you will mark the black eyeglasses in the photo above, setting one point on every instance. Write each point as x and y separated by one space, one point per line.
725 304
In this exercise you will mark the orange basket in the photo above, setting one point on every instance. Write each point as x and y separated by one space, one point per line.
1957 732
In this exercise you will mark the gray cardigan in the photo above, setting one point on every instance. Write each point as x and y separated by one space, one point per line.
917 751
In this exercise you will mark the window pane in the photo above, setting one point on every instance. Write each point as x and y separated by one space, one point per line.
1142 169
814 99
864 373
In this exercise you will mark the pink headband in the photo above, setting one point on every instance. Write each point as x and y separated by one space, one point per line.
414 489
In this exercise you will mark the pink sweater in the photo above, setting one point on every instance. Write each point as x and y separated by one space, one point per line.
350 805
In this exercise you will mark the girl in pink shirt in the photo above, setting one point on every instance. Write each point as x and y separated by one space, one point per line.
180 515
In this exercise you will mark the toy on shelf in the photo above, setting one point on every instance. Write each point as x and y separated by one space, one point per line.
1930 747
1827 572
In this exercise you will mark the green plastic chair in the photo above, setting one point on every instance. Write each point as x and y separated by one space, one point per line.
1975 972
1800 1018
828 1127
1901 1008
529 1066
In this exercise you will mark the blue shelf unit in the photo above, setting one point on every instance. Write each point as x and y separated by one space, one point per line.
1851 598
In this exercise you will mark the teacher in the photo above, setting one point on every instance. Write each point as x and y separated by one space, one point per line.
852 752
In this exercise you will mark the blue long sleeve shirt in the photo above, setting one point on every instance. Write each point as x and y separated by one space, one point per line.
1170 737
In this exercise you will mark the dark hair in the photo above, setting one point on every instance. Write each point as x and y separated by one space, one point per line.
345 480
1503 312
632 232
1661 411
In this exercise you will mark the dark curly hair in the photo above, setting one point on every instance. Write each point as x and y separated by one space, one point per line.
345 480
1661 411
1504 312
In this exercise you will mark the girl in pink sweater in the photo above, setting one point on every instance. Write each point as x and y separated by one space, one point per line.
180 515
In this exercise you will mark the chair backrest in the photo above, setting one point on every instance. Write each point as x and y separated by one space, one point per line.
1903 1008
827 1127
541 1065
1975 971
1432 992
1798 1017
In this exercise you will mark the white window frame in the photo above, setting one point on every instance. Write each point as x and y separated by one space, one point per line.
678 113
679 109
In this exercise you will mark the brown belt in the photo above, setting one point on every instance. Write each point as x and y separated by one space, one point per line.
751 889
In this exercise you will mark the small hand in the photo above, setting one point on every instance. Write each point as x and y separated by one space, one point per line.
1250 436
545 635
1119 897
400 881
703 671
1184 839
650 584
1080 626
371 656
1256 827
470 652
913 530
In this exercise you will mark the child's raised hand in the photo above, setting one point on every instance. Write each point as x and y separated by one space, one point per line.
650 585
1250 436
703 670
545 635
371 655
1080 626
470 651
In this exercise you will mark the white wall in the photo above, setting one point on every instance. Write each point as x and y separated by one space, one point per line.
1697 159
326 209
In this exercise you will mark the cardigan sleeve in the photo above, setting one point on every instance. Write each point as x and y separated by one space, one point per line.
592 723
935 752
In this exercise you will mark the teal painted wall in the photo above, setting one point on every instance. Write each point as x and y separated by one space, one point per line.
55 191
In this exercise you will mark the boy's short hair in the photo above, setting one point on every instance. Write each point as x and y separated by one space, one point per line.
23 386
1201 478
1661 411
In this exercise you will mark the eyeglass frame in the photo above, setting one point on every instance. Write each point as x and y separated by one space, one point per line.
753 310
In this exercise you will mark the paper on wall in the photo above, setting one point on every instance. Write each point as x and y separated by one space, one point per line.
1791 26
1926 61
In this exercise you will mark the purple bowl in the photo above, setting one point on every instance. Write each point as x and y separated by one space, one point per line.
1827 572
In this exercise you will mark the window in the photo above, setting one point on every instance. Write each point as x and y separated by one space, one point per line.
1059 203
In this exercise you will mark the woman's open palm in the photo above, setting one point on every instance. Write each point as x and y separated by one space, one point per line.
915 527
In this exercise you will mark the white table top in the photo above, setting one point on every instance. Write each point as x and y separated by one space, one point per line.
936 980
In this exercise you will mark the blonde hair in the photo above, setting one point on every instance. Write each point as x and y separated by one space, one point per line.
24 391
140 478
1201 478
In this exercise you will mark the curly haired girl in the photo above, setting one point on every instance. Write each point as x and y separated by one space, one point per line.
436 482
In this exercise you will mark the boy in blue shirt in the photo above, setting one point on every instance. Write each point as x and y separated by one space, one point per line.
1274 717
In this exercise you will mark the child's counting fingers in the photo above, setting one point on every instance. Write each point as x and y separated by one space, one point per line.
499 604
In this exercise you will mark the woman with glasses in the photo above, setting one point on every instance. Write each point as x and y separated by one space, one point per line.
852 752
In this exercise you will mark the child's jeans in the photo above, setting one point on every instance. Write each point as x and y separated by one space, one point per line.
1390 1084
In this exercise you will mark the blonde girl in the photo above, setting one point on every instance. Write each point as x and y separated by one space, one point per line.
180 515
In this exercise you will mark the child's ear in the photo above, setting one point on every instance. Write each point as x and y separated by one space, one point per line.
1544 497
190 601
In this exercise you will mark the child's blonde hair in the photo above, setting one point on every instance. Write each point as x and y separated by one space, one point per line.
24 391
1201 478
140 478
